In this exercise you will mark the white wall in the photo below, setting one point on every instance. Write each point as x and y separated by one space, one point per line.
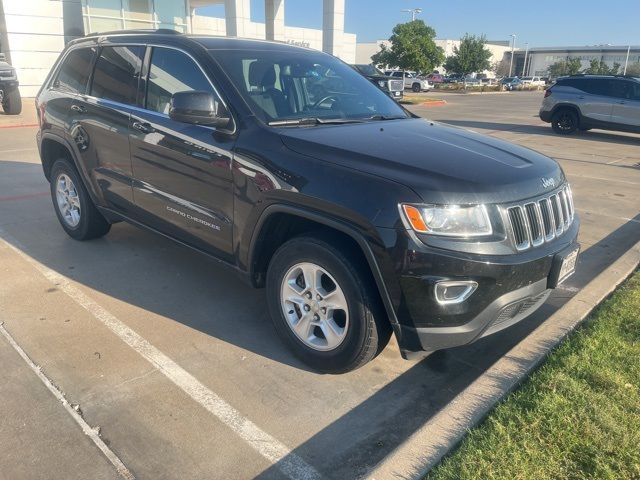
306 37
34 30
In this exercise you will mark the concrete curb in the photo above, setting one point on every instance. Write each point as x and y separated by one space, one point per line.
436 438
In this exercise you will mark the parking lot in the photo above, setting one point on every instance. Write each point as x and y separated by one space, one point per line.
176 361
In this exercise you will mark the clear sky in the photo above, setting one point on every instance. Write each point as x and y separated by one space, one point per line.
538 22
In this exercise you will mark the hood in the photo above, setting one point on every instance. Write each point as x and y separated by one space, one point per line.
442 164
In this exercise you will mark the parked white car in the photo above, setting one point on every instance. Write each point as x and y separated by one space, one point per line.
533 81
411 80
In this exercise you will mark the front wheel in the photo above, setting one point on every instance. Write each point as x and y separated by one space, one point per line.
564 122
416 88
324 306
12 102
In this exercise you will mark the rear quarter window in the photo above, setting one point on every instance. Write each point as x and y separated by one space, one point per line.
75 70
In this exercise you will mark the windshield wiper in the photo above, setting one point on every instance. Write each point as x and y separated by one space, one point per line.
384 117
312 121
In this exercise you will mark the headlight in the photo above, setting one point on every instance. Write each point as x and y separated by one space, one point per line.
382 83
450 220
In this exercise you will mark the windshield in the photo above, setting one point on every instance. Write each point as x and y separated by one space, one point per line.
281 87
368 70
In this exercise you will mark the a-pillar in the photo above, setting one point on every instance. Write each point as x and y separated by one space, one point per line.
332 26
237 17
274 19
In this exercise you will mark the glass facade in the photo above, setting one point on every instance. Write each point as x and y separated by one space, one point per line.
107 15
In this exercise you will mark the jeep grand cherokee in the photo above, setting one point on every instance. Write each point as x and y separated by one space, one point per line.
359 218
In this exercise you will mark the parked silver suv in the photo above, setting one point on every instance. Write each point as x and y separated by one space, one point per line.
583 102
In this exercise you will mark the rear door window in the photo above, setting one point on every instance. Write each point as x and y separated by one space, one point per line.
75 70
116 74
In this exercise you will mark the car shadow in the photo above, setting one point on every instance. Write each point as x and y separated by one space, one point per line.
591 135
176 284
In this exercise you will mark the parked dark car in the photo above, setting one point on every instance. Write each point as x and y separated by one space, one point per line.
9 91
512 83
358 217
435 78
391 86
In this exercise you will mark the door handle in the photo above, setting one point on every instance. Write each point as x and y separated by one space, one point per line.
143 127
622 102
78 108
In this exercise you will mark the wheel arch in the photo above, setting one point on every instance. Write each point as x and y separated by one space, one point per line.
54 147
270 232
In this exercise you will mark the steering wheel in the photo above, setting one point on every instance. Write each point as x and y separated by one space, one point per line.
324 99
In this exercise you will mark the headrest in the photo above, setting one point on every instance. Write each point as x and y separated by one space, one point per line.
262 74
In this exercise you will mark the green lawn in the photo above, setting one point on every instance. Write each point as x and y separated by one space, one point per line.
576 417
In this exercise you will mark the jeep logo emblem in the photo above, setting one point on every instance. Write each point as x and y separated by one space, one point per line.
548 182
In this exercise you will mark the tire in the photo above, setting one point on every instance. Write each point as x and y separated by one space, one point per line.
360 331
416 88
12 102
564 121
87 222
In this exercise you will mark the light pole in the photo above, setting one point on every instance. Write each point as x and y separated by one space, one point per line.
413 12
626 62
524 67
513 44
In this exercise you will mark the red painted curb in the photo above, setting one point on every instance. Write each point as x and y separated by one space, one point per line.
435 103
24 197
19 126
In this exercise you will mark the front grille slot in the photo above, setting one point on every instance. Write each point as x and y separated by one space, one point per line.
540 221
396 85
535 223
547 218
519 225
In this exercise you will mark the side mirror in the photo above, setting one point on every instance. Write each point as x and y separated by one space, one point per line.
199 108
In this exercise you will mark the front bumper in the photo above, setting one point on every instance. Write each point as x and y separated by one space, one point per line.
510 288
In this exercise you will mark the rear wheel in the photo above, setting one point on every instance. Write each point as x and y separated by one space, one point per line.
76 212
12 102
564 121
324 307
416 88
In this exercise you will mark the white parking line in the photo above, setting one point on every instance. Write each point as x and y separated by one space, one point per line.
87 430
269 447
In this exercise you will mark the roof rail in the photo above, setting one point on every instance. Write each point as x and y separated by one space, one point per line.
160 31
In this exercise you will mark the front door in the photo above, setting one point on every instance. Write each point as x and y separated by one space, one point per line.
183 178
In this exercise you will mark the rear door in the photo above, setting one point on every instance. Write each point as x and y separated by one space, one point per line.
102 130
626 109
594 97
183 178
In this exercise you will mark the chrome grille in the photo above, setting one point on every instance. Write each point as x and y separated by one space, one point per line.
396 85
534 223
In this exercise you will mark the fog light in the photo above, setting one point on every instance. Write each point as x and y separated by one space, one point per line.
450 292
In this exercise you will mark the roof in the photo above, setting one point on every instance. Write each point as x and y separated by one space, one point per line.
210 42
587 48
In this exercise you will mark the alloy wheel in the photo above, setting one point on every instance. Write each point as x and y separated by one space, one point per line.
68 200
314 306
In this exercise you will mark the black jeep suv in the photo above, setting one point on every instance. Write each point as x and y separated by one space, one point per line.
359 218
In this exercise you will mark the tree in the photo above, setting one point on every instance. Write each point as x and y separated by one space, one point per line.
471 56
571 66
598 67
634 69
412 48
501 68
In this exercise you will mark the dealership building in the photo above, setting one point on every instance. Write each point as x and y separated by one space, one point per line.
34 32
540 59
